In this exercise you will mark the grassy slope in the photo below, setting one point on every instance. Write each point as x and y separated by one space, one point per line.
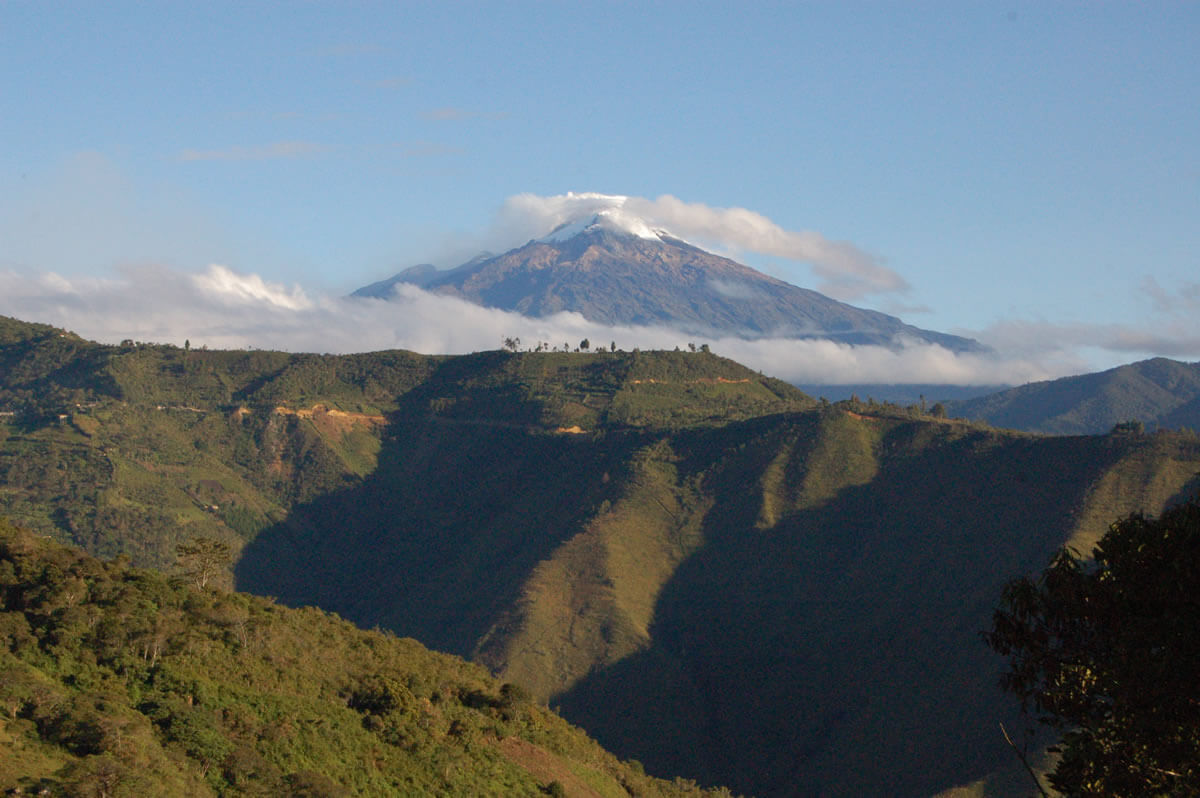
717 576
786 603
479 480
133 449
120 682
859 614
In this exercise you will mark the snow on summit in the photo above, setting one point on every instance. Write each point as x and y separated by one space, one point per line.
589 211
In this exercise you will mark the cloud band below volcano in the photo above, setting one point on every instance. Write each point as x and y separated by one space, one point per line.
222 308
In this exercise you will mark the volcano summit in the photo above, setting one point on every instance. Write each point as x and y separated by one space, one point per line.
614 267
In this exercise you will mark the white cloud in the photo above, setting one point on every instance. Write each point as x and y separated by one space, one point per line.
223 284
222 308
847 271
820 361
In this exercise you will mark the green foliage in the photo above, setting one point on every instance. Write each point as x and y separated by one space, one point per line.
1106 651
665 531
119 682
1129 428
653 566
157 445
202 560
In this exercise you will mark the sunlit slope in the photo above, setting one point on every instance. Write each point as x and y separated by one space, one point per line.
120 682
1149 476
846 633
714 573
130 449
593 601
788 603
487 469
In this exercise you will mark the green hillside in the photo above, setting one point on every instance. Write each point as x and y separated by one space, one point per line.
131 449
707 569
121 682
816 579
1158 393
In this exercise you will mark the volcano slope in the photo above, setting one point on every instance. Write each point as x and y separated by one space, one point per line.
708 571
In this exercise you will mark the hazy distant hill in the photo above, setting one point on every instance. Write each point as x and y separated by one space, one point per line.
714 573
622 274
901 393
1157 392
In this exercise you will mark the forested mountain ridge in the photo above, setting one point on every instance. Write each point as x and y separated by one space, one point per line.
121 682
1156 393
133 448
709 570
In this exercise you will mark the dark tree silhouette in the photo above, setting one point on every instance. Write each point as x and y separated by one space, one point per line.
1107 651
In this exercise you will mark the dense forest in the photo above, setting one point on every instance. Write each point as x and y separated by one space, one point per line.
117 681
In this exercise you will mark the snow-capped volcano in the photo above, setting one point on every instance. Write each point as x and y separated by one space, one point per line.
604 212
610 265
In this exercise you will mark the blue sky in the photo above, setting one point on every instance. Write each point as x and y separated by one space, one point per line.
1030 172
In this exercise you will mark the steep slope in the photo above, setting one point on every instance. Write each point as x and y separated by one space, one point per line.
613 276
121 682
844 632
788 603
716 574
1157 392
131 449
485 470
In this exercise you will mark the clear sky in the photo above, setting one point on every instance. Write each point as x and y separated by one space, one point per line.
1027 174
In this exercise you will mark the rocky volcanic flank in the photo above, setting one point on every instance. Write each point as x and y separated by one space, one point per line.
614 268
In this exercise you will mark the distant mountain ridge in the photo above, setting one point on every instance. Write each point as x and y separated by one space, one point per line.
619 270
1158 392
